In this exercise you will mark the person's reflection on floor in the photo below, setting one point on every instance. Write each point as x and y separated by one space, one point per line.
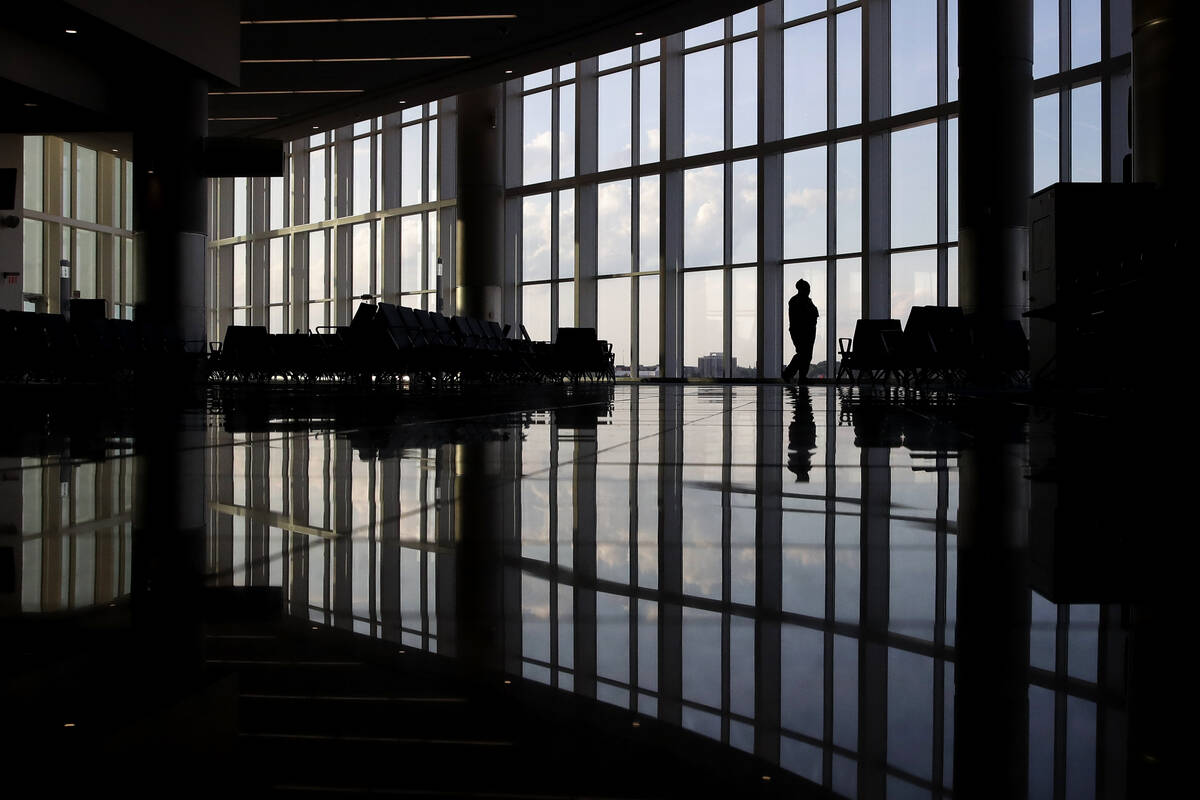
802 435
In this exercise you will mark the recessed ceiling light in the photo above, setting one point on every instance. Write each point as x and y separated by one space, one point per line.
332 20
31 105
70 30
315 127
508 72
115 150
638 33
149 172
402 102
358 60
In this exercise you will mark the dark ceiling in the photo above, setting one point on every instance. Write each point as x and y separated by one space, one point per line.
321 63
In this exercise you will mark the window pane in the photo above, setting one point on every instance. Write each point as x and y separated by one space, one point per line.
804 203
914 282
703 324
952 276
914 54
277 204
614 228
32 172
1045 37
849 196
535 238
745 92
431 252
241 293
914 186
795 9
745 22
535 311
566 233
31 269
566 131
952 50
410 253
128 196
431 161
85 263
804 88
703 216
1045 141
85 184
745 322
317 288
536 124
360 258
362 175
849 67
1085 32
745 212
613 303
239 207
703 34
703 101
1086 152
648 305
648 222
537 79
648 113
316 188
566 304
614 143
952 179
66 180
616 58
276 271
410 166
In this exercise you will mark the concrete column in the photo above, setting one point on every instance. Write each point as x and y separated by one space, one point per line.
671 207
877 162
770 193
169 207
1162 151
479 236
995 57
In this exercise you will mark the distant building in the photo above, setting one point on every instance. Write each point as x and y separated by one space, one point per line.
713 366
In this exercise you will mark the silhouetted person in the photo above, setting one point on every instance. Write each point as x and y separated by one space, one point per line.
802 436
802 325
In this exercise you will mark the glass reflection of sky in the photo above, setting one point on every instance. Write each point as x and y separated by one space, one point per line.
720 587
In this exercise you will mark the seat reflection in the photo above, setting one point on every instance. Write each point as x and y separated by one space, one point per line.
775 569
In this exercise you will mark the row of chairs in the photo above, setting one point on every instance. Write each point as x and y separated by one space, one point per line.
386 342
938 345
37 347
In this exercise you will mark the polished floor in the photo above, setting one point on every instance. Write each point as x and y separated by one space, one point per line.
855 590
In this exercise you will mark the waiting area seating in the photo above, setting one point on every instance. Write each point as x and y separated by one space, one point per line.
938 345
86 347
389 343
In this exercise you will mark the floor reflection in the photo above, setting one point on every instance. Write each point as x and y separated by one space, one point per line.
772 568
71 522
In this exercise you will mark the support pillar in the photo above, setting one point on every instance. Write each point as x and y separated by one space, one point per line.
1160 75
169 206
479 236
995 57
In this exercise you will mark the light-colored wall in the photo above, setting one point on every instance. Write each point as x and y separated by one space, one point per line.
11 153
